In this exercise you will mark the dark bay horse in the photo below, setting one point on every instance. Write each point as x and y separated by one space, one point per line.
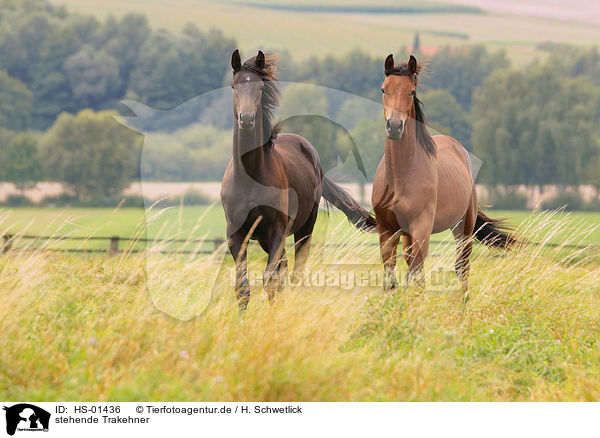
424 185
274 182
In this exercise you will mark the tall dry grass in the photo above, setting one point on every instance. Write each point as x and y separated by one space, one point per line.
74 327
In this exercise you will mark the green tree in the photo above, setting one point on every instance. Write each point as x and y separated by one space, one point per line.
353 110
91 153
122 39
461 71
535 127
15 103
369 136
20 161
301 99
50 86
574 61
84 27
20 41
193 153
93 77
357 73
446 116
173 69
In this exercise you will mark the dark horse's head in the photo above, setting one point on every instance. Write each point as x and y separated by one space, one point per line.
400 101
255 94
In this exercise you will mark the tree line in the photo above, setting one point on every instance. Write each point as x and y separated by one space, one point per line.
62 76
54 62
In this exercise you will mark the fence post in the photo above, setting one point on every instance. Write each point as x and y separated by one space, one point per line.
7 242
114 245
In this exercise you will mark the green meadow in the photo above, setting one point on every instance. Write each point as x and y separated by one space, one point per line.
196 222
158 320
201 231
152 327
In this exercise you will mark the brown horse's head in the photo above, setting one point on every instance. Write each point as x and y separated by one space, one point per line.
247 91
254 89
399 89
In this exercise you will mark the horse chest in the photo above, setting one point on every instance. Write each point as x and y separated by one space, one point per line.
403 207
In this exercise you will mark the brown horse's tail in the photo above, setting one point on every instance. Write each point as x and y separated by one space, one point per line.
493 232
361 218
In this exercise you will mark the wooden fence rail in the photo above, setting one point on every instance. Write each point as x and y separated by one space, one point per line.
113 244
112 248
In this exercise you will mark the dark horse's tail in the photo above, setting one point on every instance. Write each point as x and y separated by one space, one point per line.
492 232
361 218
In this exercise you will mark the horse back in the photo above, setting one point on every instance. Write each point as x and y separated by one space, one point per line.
298 155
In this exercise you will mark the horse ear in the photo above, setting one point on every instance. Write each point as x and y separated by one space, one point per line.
389 62
260 60
412 65
236 62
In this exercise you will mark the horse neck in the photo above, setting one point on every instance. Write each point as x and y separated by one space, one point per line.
248 149
404 156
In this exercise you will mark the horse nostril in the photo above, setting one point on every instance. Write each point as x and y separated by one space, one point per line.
388 125
400 125
247 119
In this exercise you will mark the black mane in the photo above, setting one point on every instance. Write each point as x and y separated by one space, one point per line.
270 93
423 136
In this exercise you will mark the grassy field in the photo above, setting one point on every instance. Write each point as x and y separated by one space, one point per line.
150 326
376 27
191 220
88 328
199 226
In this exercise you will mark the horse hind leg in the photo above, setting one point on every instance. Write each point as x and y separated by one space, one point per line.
464 248
302 241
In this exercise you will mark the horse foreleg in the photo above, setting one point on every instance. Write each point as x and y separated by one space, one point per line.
388 244
419 249
239 253
276 264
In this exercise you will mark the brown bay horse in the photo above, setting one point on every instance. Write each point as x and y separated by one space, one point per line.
274 182
424 185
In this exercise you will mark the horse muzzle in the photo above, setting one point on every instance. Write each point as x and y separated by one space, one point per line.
394 130
246 121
